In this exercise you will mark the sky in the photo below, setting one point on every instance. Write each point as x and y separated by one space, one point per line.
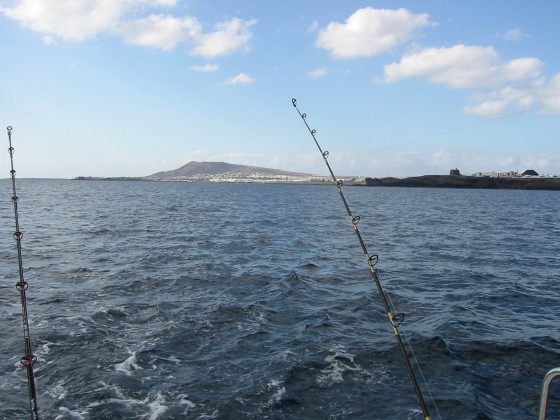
393 88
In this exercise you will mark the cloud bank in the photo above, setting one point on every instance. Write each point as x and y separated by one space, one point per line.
369 32
240 79
81 20
462 66
495 85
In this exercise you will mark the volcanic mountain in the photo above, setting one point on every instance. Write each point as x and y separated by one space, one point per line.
193 169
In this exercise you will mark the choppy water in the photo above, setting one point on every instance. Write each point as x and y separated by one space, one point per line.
197 300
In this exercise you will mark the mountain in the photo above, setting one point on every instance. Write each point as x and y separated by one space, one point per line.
197 169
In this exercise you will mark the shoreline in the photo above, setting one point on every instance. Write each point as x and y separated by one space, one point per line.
423 181
472 182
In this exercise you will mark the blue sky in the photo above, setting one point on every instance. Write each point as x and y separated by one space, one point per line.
130 88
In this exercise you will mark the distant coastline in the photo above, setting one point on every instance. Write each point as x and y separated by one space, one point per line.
111 178
425 181
475 182
234 178
226 172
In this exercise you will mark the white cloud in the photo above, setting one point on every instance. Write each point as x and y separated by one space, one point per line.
550 96
313 26
442 161
207 68
163 32
49 40
538 94
518 84
441 157
240 79
488 108
369 32
166 32
408 163
80 20
317 73
469 162
165 2
69 19
230 36
462 66
515 34
541 163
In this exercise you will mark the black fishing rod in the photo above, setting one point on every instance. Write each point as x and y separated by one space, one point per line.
394 319
29 359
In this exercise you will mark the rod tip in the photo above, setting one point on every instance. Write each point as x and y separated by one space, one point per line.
294 102
9 128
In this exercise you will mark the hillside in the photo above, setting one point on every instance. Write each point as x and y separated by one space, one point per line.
197 169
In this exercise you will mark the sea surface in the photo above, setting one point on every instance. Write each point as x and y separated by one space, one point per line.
169 300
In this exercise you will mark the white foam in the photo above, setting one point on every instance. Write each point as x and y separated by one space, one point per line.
183 400
66 414
57 391
214 415
157 407
273 384
288 354
129 365
277 397
334 373
172 359
46 347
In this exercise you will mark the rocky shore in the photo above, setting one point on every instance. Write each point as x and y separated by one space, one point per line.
448 181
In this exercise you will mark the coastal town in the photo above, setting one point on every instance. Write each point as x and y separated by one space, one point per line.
529 173
225 172
527 180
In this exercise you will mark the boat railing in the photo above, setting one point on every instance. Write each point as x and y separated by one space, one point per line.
553 373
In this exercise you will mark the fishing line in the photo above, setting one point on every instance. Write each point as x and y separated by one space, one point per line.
465 127
29 359
403 333
395 319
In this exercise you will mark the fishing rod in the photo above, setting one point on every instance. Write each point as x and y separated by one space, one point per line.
394 319
29 359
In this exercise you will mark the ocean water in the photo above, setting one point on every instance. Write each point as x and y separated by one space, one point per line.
161 300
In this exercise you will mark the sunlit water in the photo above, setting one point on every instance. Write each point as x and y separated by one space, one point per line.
156 300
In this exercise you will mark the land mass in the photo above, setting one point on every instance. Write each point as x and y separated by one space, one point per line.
205 169
220 172
484 182
227 172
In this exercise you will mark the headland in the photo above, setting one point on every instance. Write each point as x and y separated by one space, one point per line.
461 181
